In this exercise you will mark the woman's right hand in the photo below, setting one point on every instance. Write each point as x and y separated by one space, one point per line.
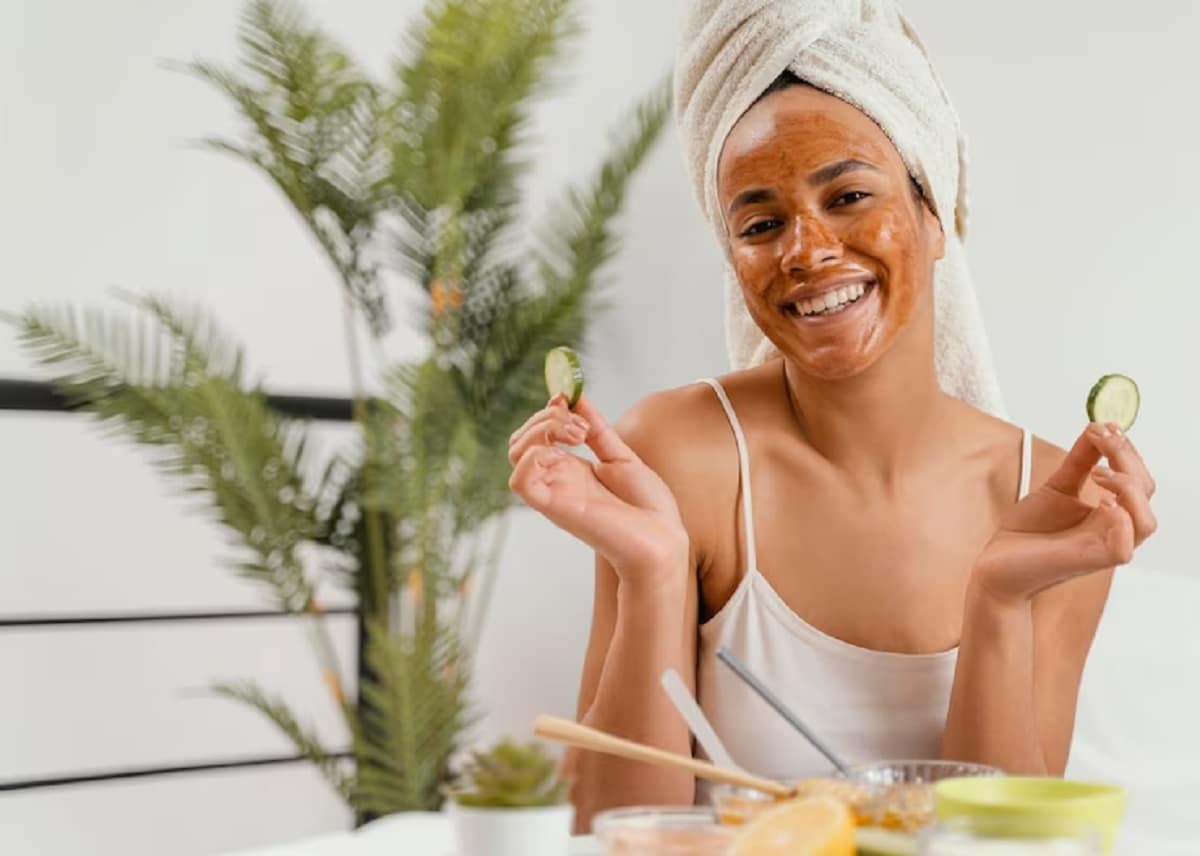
617 505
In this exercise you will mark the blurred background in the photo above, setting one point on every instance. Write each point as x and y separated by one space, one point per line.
1083 121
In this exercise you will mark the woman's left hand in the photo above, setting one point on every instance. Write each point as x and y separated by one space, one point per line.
1055 534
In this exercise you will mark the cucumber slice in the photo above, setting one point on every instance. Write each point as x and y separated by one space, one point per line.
877 841
564 374
1114 398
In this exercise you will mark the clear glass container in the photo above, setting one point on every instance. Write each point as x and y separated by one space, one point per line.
1000 835
662 831
899 794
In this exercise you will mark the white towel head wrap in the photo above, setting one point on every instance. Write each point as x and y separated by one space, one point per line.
865 53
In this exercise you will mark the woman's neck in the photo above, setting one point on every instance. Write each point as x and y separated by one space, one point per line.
875 425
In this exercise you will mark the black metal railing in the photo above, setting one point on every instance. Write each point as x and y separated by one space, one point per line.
34 396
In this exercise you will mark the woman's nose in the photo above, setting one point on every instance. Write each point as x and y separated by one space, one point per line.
811 244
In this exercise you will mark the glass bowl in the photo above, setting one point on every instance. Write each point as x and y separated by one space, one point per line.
899 794
661 831
737 806
892 794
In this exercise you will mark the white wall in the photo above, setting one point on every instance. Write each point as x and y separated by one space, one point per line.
1083 181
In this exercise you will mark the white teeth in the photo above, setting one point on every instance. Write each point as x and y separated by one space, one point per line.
825 303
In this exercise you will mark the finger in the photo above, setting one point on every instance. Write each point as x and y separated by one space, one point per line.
1021 564
1076 467
602 438
557 404
1103 539
1116 527
548 437
1131 494
552 418
531 477
1116 446
549 430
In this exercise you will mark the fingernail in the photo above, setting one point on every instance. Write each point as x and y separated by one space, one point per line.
1109 502
1104 471
1115 430
580 423
1098 429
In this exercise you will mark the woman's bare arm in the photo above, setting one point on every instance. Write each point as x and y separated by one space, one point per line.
636 634
1022 657
645 606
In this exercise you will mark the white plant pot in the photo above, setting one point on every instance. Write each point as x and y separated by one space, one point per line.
511 831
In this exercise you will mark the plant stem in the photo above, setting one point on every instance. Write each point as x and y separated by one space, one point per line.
376 557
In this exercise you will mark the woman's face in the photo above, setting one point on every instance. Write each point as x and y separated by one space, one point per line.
833 250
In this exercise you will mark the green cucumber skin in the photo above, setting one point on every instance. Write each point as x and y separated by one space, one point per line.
577 391
1098 386
572 360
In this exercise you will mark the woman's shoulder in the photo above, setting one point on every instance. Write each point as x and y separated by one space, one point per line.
668 428
685 436
1000 438
686 419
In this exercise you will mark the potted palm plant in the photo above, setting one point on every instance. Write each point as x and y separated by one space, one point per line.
410 186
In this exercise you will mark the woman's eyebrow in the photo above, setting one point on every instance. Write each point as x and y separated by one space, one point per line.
750 197
826 174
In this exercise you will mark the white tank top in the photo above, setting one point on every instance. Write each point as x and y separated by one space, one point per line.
867 705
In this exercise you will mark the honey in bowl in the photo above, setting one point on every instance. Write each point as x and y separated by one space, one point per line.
737 806
899 794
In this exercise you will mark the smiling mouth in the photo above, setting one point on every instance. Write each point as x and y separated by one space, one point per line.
830 303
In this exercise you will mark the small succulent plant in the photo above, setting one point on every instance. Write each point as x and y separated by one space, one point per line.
510 775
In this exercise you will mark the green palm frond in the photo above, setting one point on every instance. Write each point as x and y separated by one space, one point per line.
313 129
307 744
168 378
469 74
413 713
507 343
465 85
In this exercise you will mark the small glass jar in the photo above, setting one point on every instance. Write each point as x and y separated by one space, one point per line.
738 806
661 831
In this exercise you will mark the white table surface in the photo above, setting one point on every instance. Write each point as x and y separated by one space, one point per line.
412 834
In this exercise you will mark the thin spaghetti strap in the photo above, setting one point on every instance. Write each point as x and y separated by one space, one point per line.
744 466
1026 464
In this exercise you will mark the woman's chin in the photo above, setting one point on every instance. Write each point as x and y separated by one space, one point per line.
832 371
832 362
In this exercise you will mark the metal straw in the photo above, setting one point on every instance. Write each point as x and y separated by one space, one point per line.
779 707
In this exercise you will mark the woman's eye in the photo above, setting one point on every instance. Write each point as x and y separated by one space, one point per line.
850 198
759 228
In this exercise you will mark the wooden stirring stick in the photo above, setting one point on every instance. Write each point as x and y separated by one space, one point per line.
584 737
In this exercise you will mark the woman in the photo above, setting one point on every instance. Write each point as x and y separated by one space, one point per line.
914 575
